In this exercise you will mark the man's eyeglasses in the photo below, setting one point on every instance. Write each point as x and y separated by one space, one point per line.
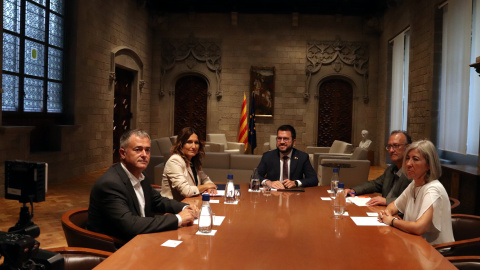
279 139
394 146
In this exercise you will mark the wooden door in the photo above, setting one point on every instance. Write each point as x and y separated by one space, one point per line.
191 105
334 112
121 107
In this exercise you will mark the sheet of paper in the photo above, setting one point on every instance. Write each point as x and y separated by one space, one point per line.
359 201
216 222
249 190
214 201
171 243
367 221
210 233
344 214
326 198
329 191
235 202
220 193
372 214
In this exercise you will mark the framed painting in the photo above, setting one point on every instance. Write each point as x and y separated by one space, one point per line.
262 89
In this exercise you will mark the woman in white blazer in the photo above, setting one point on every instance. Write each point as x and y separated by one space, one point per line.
183 176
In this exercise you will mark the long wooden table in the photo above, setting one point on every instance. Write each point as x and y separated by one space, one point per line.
295 230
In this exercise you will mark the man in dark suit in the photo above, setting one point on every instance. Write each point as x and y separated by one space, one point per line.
286 167
393 181
123 202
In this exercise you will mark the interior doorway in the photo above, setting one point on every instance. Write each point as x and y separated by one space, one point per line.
191 104
122 113
335 112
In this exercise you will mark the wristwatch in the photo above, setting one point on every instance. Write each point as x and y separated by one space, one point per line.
391 223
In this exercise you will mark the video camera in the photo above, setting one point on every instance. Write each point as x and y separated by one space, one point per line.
26 182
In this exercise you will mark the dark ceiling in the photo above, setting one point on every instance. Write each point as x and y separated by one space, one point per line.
364 8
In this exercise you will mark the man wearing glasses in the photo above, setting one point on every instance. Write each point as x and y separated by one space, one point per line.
286 167
393 181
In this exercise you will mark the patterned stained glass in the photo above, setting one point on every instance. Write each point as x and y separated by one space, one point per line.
33 101
57 6
34 58
55 32
11 52
55 60
11 15
35 22
54 101
41 2
10 92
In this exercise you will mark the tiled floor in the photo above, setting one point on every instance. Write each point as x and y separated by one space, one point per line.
62 197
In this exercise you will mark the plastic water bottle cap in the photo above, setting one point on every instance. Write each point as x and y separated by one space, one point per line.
205 197
335 170
340 185
230 176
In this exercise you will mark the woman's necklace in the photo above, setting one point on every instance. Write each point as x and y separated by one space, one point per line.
415 195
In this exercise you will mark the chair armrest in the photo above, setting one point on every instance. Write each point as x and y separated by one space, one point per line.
235 145
460 243
216 147
317 149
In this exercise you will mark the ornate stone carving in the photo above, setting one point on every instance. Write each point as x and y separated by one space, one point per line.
337 53
192 51
141 84
111 77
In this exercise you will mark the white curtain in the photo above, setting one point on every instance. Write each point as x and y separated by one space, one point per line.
454 86
474 100
400 63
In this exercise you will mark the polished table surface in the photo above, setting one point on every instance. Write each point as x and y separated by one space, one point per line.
284 230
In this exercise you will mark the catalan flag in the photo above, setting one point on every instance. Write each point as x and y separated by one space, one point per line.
252 132
243 134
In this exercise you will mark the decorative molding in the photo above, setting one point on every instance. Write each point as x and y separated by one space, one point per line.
337 53
112 77
141 84
191 52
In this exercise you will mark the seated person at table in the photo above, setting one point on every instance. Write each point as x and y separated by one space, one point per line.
424 203
183 176
123 202
286 167
393 181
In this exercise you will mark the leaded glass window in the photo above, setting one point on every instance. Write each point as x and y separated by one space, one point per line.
33 56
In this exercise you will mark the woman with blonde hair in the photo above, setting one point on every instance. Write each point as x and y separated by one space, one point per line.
425 202
183 176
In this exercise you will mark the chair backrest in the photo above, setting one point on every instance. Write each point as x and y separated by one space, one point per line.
454 203
340 147
165 145
465 226
77 258
217 138
359 154
74 223
273 142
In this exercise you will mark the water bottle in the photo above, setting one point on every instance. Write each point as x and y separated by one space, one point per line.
340 201
230 190
205 221
334 183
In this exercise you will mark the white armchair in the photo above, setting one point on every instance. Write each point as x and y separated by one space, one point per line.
230 147
350 176
271 144
338 148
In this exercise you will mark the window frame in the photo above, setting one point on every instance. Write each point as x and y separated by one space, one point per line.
28 118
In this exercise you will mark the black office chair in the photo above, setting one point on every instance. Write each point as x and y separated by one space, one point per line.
466 231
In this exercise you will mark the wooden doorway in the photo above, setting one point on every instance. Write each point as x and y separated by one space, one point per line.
122 113
335 112
191 104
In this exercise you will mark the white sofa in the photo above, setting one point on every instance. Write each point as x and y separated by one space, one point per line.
218 165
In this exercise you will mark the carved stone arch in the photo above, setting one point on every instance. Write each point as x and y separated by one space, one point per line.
168 87
127 58
353 102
